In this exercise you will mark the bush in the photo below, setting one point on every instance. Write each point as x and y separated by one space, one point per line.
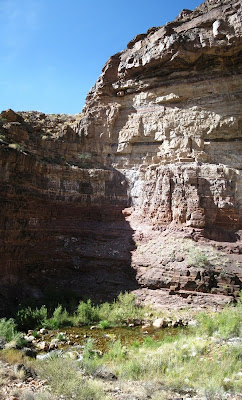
225 323
121 310
60 318
7 329
86 313
104 324
28 318
116 351
197 258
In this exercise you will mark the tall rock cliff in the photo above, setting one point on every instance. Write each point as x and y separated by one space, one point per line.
158 145
166 112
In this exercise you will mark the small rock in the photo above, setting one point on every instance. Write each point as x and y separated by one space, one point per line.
42 346
192 322
2 342
29 352
73 355
120 93
104 373
28 338
54 344
160 323
11 345
43 331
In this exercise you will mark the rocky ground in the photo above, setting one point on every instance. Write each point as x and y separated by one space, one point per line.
16 387
18 383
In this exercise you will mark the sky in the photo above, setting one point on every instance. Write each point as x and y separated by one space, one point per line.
52 51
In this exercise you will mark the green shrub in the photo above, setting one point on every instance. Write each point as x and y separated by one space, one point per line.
198 258
2 120
59 318
28 318
116 351
86 313
123 310
16 146
7 329
225 323
89 351
84 156
104 324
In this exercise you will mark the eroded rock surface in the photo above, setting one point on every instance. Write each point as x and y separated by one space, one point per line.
158 144
166 112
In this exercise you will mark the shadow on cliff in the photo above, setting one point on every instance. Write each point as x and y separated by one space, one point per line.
77 250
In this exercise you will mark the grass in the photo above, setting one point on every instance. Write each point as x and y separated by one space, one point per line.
65 379
12 356
204 358
224 324
199 358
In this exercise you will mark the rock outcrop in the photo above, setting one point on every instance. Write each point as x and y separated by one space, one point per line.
166 112
158 145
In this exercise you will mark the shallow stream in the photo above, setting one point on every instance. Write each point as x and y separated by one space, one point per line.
78 336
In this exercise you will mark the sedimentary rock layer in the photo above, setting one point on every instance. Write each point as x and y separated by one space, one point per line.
166 112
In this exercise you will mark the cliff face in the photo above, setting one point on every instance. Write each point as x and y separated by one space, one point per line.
61 213
166 112
158 144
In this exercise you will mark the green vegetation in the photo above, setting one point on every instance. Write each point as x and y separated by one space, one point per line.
84 156
198 358
65 378
106 314
197 258
7 329
28 318
223 324
206 357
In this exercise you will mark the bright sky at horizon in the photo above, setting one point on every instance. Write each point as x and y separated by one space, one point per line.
52 51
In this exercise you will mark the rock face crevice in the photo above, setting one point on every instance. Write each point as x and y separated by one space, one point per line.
158 145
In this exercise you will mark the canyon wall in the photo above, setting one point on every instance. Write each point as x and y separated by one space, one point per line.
61 217
158 145
166 113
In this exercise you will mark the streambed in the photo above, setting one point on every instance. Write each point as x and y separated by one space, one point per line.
75 338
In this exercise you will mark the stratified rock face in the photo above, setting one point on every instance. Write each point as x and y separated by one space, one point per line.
61 221
166 113
158 144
